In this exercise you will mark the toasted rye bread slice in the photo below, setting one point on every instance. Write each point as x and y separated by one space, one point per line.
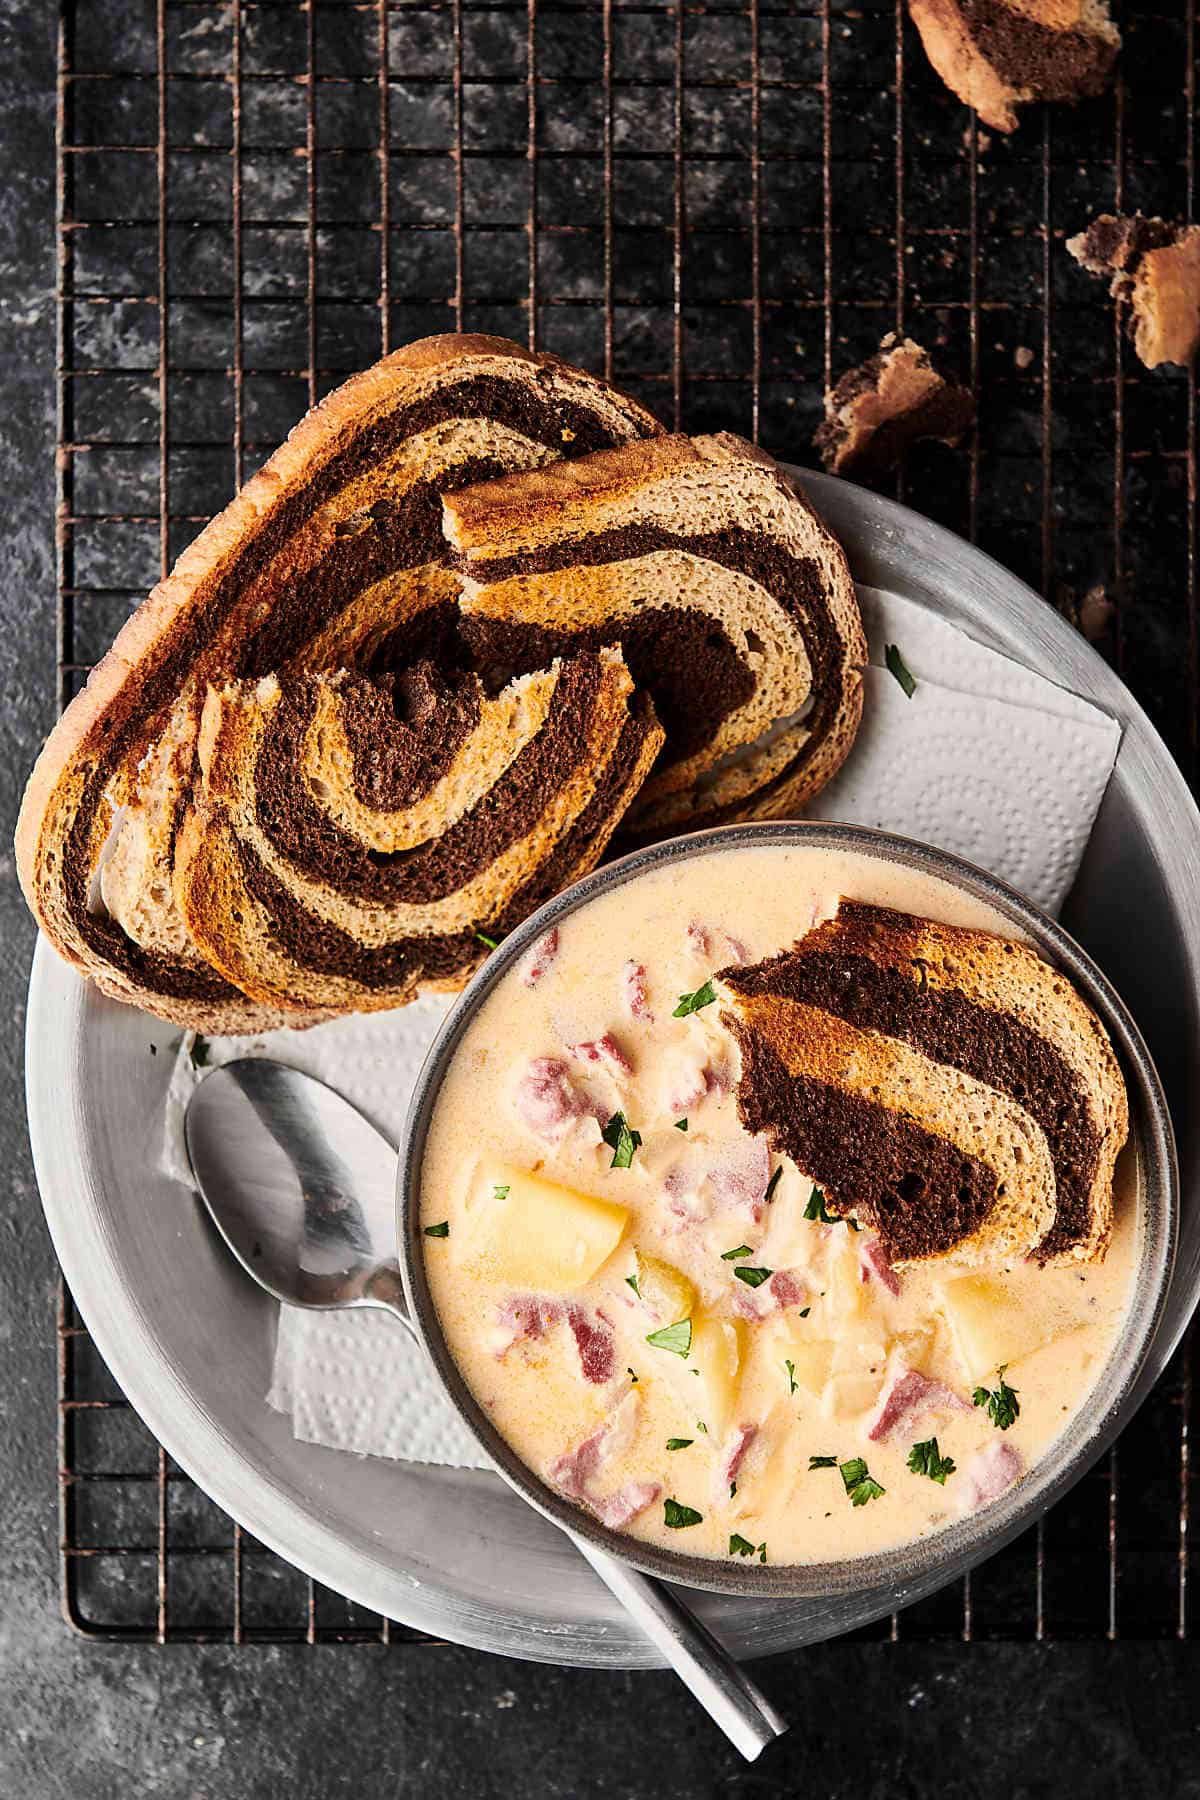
733 604
997 55
354 836
331 554
897 1022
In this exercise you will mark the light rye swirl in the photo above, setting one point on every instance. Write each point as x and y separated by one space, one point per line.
354 835
947 1086
331 554
732 602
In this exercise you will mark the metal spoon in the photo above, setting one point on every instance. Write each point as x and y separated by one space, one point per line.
302 1188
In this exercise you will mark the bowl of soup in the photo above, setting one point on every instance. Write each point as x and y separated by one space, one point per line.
652 1318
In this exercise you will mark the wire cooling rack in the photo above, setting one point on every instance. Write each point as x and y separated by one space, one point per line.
722 206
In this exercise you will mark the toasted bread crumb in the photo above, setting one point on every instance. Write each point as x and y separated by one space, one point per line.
891 400
1092 616
1153 270
998 55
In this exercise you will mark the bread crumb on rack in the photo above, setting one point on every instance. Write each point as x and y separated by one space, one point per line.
997 55
1153 270
888 402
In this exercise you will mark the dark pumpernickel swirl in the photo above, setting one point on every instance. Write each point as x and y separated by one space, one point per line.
849 1145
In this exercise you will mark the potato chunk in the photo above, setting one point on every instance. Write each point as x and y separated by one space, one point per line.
717 1347
811 1359
856 1375
851 1392
529 1232
991 1324
665 1289
847 1295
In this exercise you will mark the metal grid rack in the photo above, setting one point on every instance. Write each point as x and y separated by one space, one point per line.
721 205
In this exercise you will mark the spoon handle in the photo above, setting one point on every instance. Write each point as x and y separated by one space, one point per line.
705 1667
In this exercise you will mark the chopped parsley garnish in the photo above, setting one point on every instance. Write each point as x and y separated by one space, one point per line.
679 1443
631 1281
690 1003
898 668
732 1255
500 1190
790 1366
925 1459
816 1211
1002 1404
622 1140
772 1185
740 1546
199 1052
753 1277
804 1312
442 1230
676 1338
858 1482
681 1124
677 1516
485 940
631 1376
732 1489
822 1462
701 1426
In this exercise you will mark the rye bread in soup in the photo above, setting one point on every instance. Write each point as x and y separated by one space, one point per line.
947 1087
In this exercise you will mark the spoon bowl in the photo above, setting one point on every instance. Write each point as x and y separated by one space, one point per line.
299 1184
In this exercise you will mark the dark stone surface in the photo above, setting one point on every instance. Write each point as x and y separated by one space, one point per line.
80 1718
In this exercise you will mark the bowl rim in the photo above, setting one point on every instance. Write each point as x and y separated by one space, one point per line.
955 1547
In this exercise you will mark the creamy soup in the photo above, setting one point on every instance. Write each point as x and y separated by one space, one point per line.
679 1343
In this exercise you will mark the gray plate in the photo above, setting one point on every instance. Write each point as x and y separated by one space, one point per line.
454 1552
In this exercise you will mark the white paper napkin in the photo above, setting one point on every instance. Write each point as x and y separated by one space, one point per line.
987 759
353 1380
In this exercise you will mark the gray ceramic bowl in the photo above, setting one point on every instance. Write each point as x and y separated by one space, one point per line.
958 1546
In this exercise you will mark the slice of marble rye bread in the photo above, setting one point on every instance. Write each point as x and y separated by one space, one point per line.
946 1086
997 55
332 555
357 837
732 602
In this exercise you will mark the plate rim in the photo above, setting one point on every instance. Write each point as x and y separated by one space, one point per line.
197 1442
